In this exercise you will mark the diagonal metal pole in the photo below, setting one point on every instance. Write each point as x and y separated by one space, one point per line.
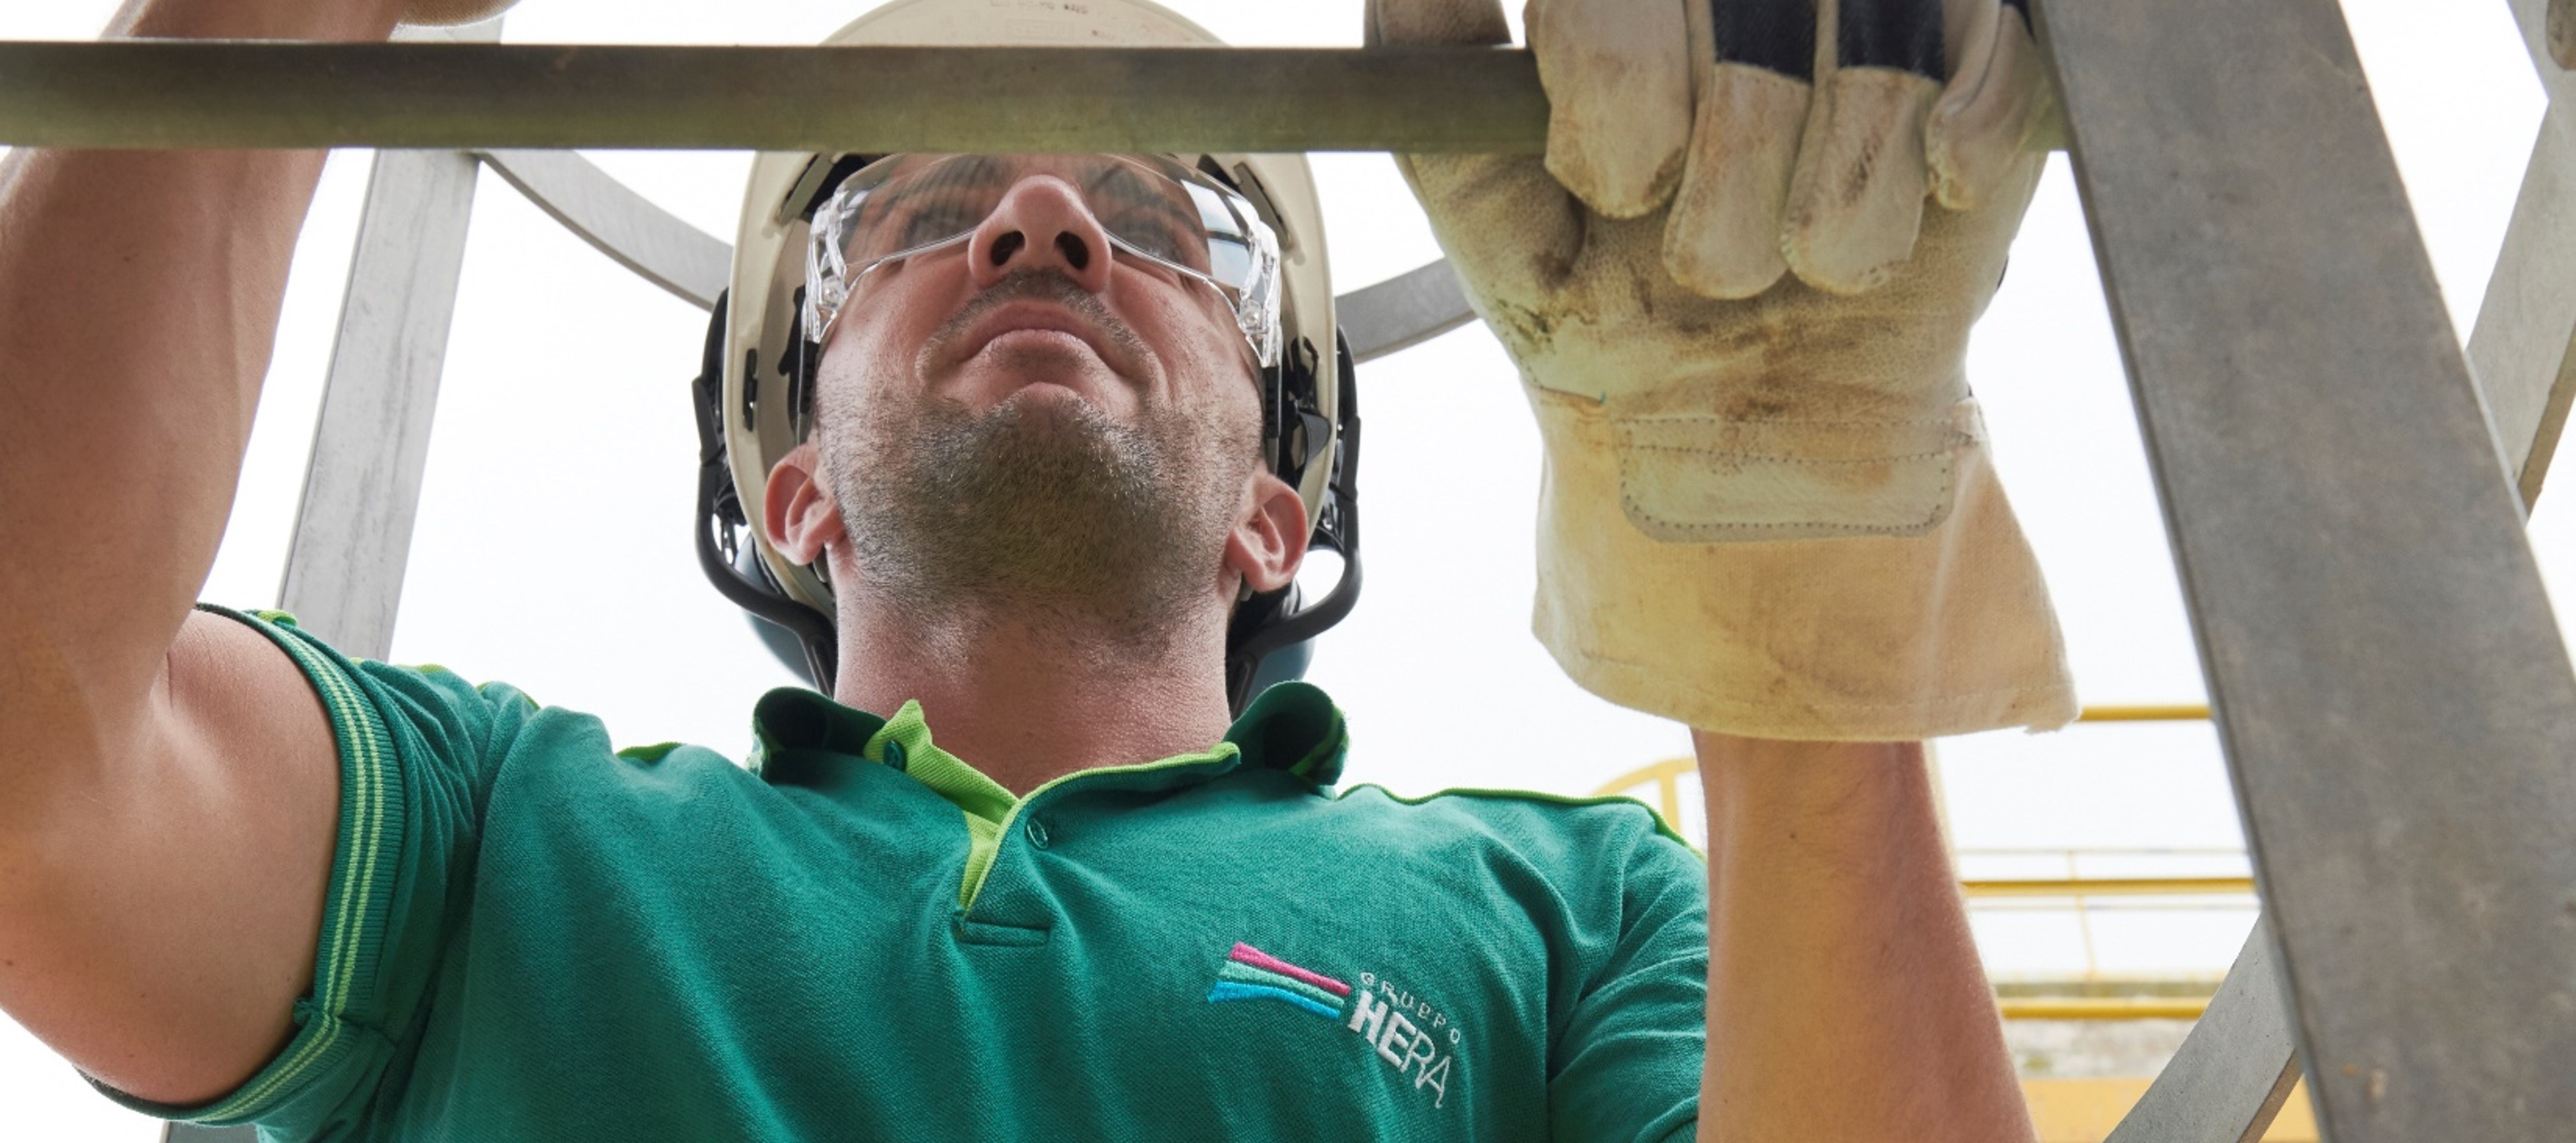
631 229
2523 346
352 539
2395 702
2231 1076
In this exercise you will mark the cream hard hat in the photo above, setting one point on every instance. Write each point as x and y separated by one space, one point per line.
754 395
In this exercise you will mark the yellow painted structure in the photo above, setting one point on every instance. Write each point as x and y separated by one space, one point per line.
2169 712
2065 1110
2103 1007
2085 1110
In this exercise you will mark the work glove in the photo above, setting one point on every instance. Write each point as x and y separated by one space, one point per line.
453 13
1767 507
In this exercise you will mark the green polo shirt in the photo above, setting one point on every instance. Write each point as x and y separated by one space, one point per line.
530 935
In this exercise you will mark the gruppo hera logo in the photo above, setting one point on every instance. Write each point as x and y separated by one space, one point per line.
1382 1015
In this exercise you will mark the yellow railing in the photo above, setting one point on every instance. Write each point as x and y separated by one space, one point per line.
1666 776
2171 712
2102 1007
2108 887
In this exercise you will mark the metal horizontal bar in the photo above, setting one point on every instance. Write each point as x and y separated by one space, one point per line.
215 93
2107 886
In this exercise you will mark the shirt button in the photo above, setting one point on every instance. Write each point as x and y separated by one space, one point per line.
1037 832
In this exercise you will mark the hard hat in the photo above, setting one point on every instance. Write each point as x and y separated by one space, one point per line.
753 392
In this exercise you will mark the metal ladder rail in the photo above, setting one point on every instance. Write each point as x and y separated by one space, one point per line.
2390 686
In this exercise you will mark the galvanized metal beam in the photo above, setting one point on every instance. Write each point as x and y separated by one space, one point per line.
2523 346
2395 702
172 93
352 540
1403 311
2233 1072
690 263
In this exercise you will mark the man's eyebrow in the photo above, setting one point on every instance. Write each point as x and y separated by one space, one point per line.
1138 188
966 171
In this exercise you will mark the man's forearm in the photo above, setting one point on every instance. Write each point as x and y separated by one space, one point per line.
1845 999
139 294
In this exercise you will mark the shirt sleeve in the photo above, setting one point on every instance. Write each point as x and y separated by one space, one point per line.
417 750
1625 1065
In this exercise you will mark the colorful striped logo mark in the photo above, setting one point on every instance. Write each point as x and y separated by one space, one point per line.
1251 974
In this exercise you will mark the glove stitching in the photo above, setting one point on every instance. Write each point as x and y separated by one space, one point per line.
2046 691
1791 459
1940 511
1631 422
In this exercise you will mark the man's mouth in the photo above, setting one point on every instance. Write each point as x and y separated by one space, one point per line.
1041 314
1037 324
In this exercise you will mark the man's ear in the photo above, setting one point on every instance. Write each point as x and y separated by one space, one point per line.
797 509
1269 541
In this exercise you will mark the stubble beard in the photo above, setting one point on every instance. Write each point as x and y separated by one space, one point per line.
1044 513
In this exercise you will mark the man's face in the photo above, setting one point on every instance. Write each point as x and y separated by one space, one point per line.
1035 417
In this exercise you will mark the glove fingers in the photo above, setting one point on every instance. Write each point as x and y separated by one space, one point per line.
1754 66
1856 198
1997 110
1618 81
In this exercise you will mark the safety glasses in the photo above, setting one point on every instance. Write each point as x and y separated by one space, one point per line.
1154 209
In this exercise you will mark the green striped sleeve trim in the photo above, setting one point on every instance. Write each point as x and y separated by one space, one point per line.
371 811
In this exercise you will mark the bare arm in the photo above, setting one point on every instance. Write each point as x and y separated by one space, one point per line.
168 789
1846 1002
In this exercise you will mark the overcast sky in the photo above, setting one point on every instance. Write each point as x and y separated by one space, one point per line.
552 549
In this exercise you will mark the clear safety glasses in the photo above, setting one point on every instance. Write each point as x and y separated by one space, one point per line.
1155 209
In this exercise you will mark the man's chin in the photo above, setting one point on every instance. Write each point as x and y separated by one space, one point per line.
1043 373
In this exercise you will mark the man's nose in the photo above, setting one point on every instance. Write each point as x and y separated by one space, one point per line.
1041 224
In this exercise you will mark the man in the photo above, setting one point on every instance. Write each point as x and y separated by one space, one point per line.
243 878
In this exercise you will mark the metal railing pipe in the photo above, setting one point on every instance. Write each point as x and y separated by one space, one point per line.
221 93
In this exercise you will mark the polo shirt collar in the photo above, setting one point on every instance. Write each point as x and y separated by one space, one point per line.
1293 727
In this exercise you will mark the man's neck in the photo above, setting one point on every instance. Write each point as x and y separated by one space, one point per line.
1026 699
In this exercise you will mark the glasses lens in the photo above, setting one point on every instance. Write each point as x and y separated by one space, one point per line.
908 205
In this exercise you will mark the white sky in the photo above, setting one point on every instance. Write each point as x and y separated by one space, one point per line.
553 551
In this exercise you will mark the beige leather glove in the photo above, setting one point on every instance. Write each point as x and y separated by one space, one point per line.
1767 507
453 13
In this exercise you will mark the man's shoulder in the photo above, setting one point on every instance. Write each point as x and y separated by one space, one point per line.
1546 828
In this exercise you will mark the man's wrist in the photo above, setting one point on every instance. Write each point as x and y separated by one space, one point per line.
1798 771
1821 792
